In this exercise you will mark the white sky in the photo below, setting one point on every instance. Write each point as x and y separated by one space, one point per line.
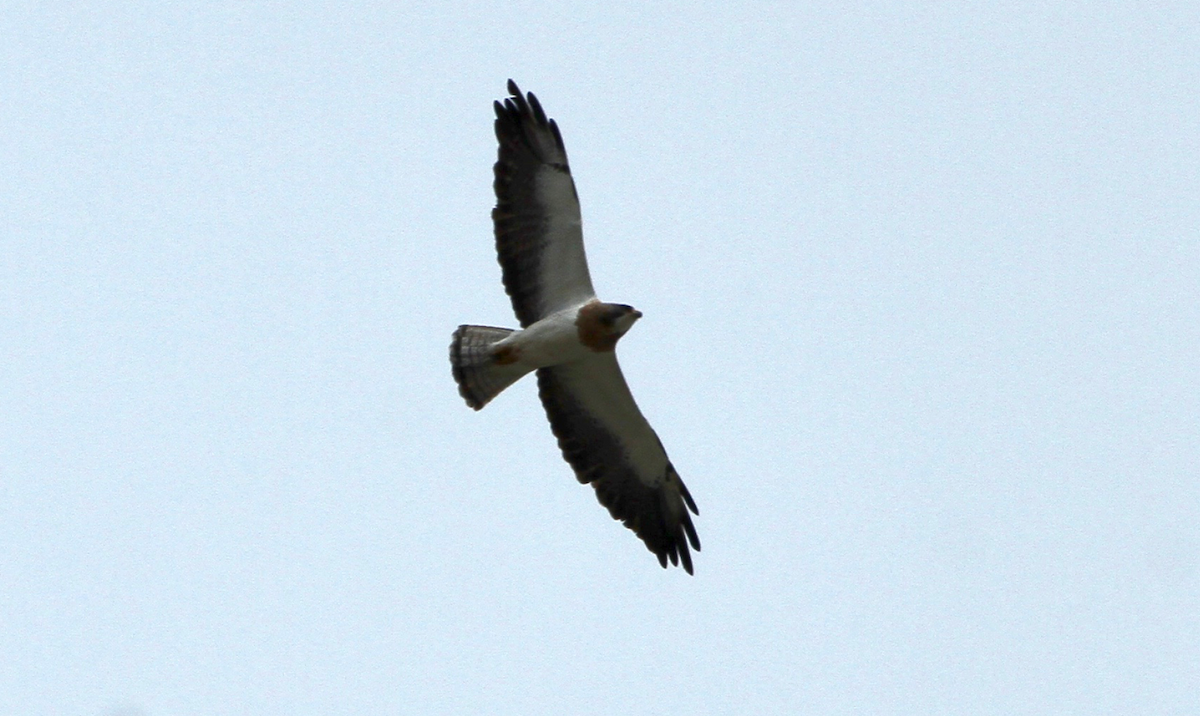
922 297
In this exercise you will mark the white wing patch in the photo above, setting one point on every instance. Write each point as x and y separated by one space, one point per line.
563 284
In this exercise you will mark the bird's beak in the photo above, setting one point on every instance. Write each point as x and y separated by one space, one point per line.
637 313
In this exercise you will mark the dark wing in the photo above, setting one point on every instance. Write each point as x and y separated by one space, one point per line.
611 446
539 237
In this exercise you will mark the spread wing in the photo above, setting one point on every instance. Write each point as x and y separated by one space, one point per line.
611 446
539 237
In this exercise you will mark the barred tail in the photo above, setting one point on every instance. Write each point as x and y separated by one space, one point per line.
480 376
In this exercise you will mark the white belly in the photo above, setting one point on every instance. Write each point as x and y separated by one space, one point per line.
551 341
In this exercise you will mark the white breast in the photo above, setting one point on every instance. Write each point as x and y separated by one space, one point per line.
551 341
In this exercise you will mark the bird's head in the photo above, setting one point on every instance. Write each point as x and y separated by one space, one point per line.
619 318
601 325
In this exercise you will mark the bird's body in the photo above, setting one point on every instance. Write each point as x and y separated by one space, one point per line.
569 337
552 340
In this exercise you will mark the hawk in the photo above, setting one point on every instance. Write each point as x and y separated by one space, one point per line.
568 336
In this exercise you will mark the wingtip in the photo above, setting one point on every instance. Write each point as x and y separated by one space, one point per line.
675 556
687 497
539 114
690 530
686 558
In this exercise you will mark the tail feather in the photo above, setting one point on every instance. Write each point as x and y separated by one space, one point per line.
479 375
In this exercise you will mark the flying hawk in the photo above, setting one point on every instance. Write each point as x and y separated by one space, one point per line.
568 336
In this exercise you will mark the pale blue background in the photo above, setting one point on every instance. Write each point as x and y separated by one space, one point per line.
922 335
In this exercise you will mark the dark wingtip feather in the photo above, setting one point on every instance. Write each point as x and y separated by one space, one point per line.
687 497
539 114
685 556
512 87
691 532
558 136
517 102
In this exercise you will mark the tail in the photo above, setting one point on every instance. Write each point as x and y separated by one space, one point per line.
480 376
